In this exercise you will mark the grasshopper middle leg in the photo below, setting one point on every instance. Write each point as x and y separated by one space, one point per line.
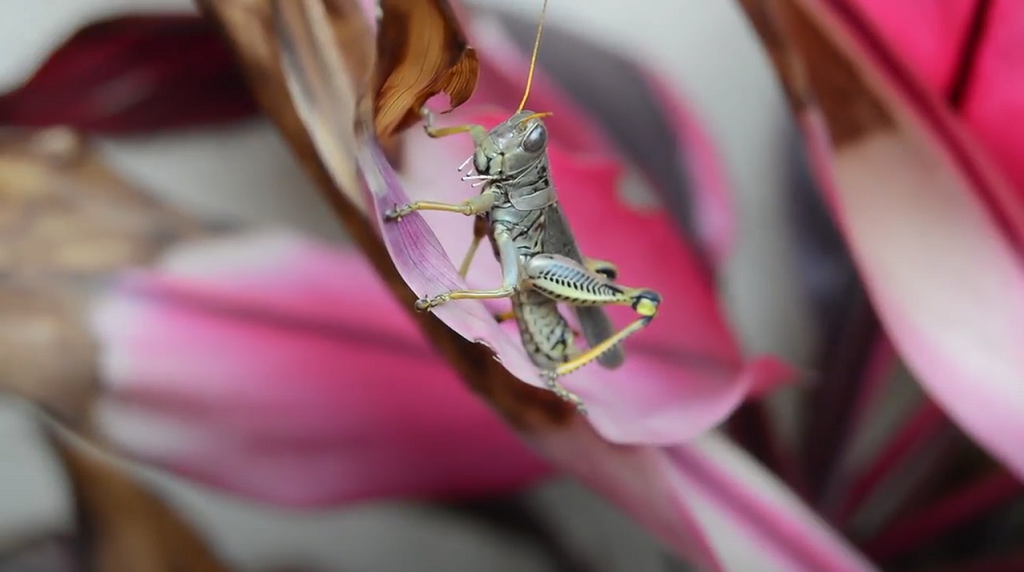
508 256
480 230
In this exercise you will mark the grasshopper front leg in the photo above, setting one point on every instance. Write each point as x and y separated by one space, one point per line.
563 279
508 256
474 206
470 207
477 132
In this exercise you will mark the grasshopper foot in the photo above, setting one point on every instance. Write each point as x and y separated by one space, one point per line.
551 381
424 304
395 214
428 121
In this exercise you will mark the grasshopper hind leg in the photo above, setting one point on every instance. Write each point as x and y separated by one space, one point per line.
602 267
594 322
551 382
564 280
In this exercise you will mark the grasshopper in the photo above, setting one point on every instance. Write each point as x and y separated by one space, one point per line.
542 266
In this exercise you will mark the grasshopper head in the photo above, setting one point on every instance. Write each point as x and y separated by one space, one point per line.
512 146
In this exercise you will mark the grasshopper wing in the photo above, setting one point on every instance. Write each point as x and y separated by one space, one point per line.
594 322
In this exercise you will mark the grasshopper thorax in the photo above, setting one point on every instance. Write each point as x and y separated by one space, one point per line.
512 147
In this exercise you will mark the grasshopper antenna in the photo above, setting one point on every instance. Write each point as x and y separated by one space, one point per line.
533 58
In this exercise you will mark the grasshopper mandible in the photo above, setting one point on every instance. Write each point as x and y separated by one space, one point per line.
541 264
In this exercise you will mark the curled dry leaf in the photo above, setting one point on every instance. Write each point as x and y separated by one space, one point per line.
422 51
67 223
327 63
249 26
309 64
122 525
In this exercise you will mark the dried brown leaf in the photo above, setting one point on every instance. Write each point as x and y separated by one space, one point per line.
68 215
850 105
249 26
122 525
327 60
43 553
422 51
323 50
816 70
785 59
67 223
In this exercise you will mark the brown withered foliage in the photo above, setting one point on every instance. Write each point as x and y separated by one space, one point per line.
121 524
42 552
422 51
323 48
816 69
67 224
328 63
252 29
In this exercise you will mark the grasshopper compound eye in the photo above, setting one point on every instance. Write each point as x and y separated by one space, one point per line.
536 139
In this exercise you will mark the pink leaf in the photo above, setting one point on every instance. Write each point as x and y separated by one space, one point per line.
716 219
994 100
282 370
928 36
275 368
685 374
633 113
503 72
932 228
971 50
708 500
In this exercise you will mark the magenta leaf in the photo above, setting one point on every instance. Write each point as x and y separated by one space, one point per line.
686 373
934 231
290 359
698 380
708 500
644 121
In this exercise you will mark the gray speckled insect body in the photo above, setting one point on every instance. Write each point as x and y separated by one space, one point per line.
541 263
